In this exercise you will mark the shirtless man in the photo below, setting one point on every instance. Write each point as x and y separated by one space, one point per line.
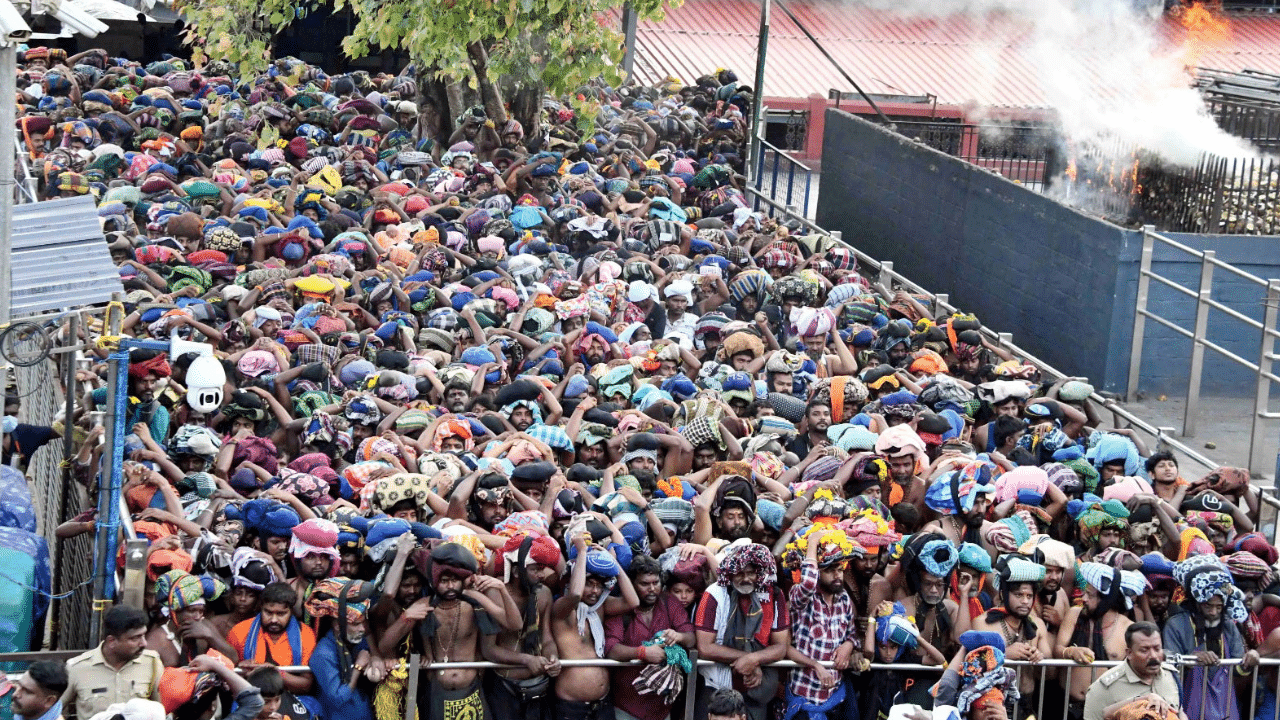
400 607
925 575
1096 630
577 621
525 693
460 615
185 633
1024 634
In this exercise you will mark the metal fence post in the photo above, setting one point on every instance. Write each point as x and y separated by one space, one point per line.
1140 307
1198 337
411 693
691 685
1262 396
885 278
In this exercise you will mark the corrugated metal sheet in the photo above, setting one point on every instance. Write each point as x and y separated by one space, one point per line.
60 258
960 59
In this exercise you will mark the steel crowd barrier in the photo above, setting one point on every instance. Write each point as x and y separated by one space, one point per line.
1183 662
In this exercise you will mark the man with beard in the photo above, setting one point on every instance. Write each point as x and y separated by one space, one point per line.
817 418
528 562
461 615
484 500
1059 563
903 449
659 615
870 531
396 614
1207 628
314 551
1100 529
146 368
342 659
582 693
742 625
825 626
961 503
729 502
119 669
926 567
275 637
524 414
592 446
1093 631
1141 676
1017 580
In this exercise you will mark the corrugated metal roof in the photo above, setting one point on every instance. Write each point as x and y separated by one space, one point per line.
60 258
954 58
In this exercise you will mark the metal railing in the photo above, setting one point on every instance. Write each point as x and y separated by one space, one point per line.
417 666
881 273
1266 329
781 170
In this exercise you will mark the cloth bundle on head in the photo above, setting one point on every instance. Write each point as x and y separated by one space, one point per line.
271 518
1204 577
1011 569
181 686
937 557
1246 566
895 627
951 494
247 570
870 531
521 551
1049 552
178 589
1099 517
316 537
335 596
900 440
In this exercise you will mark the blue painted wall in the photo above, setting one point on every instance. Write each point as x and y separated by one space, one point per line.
1062 282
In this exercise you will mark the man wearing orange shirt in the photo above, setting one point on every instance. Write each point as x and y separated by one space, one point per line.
275 637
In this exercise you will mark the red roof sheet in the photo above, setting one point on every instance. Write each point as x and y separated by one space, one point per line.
954 59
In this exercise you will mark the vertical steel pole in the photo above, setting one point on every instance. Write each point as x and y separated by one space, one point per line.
8 145
1262 395
109 485
629 23
1197 344
1140 320
762 54
691 685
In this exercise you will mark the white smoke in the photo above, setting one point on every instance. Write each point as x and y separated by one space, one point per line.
1103 67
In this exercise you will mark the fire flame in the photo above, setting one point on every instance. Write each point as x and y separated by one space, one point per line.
1207 29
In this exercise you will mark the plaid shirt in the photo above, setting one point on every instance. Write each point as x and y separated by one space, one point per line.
552 435
817 629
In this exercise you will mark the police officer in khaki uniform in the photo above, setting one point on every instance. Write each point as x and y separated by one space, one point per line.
118 670
1142 676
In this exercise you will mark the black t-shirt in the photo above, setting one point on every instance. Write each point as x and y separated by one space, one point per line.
26 440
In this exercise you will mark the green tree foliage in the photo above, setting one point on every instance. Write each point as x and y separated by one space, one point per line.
553 44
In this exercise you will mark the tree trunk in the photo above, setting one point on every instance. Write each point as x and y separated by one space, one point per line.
526 106
489 94
457 103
